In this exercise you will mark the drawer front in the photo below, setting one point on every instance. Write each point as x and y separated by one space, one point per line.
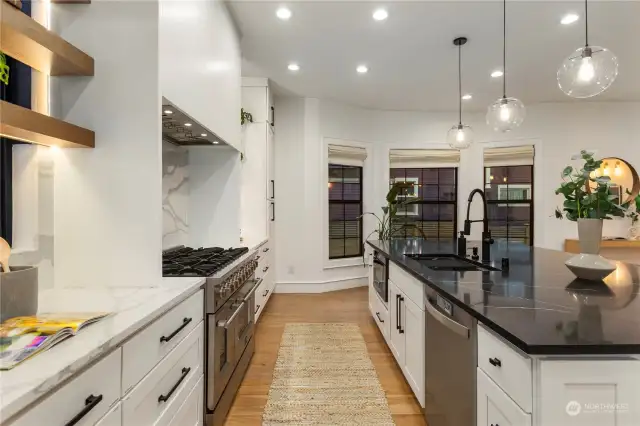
166 387
93 393
380 315
191 412
507 367
263 294
494 407
113 417
410 286
148 347
263 254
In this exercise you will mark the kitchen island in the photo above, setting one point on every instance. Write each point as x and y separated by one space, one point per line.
547 349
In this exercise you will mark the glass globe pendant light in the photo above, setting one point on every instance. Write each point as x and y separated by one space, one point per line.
588 71
460 136
505 114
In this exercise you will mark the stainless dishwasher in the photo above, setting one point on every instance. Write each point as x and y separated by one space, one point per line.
450 363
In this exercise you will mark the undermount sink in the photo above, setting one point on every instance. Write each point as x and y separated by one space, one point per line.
449 262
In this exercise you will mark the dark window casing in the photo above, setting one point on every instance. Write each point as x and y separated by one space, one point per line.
345 212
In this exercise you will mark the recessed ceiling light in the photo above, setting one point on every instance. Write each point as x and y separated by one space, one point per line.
380 15
215 142
497 73
283 13
204 135
466 97
187 124
362 69
569 18
168 111
293 67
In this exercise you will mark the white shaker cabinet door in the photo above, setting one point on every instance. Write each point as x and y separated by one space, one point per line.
495 408
397 335
590 393
113 417
191 412
413 325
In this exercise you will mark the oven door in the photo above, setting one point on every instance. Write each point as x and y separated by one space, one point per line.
245 322
380 278
221 355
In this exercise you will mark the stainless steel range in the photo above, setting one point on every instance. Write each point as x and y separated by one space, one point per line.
229 317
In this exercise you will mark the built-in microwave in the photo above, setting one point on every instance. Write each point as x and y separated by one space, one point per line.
381 276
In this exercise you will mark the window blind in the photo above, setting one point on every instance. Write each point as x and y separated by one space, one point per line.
421 158
347 155
509 156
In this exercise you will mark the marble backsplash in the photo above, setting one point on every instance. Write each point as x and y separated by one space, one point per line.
175 195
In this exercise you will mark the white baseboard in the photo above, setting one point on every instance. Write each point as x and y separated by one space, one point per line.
321 286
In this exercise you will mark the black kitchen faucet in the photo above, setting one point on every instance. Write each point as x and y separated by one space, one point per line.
486 234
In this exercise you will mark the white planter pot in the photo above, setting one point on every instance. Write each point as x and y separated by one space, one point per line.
589 265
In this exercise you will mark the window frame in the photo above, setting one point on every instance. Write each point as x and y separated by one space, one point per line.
438 202
530 202
342 202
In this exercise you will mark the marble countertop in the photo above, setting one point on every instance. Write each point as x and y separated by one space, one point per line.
132 308
538 304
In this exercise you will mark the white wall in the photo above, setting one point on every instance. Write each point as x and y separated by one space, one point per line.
108 221
556 130
214 197
200 64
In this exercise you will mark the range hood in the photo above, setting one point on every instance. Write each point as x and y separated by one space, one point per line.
180 129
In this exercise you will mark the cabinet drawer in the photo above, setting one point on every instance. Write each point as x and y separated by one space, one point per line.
380 315
410 286
263 294
508 368
93 391
152 344
494 407
166 387
191 412
263 254
113 417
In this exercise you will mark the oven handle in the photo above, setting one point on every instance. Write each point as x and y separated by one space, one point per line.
253 290
225 324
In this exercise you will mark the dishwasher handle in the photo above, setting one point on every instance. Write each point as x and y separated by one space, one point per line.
452 325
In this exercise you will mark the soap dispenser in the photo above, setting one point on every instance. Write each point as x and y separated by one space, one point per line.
462 245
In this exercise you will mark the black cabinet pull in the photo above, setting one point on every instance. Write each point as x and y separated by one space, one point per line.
266 292
165 398
257 258
257 309
273 212
89 404
185 322
265 269
397 312
379 319
265 250
400 316
273 189
495 362
273 116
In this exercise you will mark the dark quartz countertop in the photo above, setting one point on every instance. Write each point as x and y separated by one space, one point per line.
538 305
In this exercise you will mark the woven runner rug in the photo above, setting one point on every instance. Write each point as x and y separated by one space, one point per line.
324 376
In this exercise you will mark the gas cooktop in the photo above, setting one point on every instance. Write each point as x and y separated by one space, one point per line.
202 262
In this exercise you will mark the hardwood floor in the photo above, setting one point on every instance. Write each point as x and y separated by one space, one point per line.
341 306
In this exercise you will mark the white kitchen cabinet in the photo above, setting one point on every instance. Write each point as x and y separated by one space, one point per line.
191 413
258 187
413 324
113 417
589 392
396 333
495 408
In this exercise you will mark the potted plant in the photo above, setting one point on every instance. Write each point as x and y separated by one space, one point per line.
4 69
388 225
588 201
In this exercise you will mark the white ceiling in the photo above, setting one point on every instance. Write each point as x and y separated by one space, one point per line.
411 58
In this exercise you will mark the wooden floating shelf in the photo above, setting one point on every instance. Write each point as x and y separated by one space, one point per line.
26 40
26 125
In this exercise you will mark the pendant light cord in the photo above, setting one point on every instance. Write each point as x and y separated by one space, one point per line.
460 84
504 49
586 24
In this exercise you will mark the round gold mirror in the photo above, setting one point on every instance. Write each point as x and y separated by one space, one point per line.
625 182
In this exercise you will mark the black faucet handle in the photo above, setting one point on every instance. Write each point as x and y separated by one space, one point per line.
467 227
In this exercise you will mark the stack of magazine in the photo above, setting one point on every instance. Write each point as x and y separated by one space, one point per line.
24 337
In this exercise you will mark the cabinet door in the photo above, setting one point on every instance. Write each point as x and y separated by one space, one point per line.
254 211
113 417
397 336
495 408
191 412
590 393
414 329
270 177
372 291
